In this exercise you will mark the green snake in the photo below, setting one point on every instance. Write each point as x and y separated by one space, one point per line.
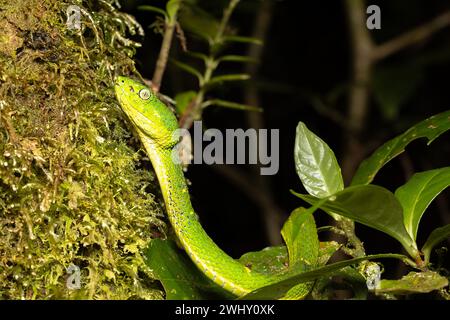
156 124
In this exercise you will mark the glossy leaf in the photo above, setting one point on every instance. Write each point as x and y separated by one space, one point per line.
413 282
279 289
179 276
230 105
430 128
416 195
371 205
437 236
316 164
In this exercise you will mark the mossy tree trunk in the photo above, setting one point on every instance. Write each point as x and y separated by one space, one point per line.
71 187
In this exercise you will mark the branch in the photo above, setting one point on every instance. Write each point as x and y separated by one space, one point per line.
194 109
411 37
163 57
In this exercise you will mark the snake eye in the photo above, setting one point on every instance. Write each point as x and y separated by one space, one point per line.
144 94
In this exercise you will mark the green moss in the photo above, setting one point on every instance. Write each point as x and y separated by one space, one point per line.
71 188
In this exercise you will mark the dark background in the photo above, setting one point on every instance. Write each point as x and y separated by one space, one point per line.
308 49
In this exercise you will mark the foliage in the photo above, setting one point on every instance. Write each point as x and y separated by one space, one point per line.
219 36
72 190
396 214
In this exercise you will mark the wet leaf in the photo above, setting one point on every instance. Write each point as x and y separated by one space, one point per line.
413 282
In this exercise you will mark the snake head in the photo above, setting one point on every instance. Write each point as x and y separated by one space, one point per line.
148 114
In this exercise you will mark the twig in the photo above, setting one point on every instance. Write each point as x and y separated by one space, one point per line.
194 110
224 22
362 47
411 37
163 57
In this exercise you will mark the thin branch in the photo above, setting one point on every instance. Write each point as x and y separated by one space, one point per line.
163 57
412 37
224 22
194 109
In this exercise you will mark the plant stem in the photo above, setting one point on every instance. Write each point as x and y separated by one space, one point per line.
194 110
163 57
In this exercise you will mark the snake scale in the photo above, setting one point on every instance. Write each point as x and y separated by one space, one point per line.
155 124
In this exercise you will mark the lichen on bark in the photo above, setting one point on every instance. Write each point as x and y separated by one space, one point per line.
73 189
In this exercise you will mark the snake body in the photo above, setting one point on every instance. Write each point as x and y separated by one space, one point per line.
155 125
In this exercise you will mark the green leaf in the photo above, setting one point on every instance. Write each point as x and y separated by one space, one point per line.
229 104
326 251
316 164
243 39
153 9
198 21
300 235
188 68
275 260
371 205
179 276
270 261
279 289
198 55
172 8
228 77
430 128
437 236
235 58
413 282
417 194
183 99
